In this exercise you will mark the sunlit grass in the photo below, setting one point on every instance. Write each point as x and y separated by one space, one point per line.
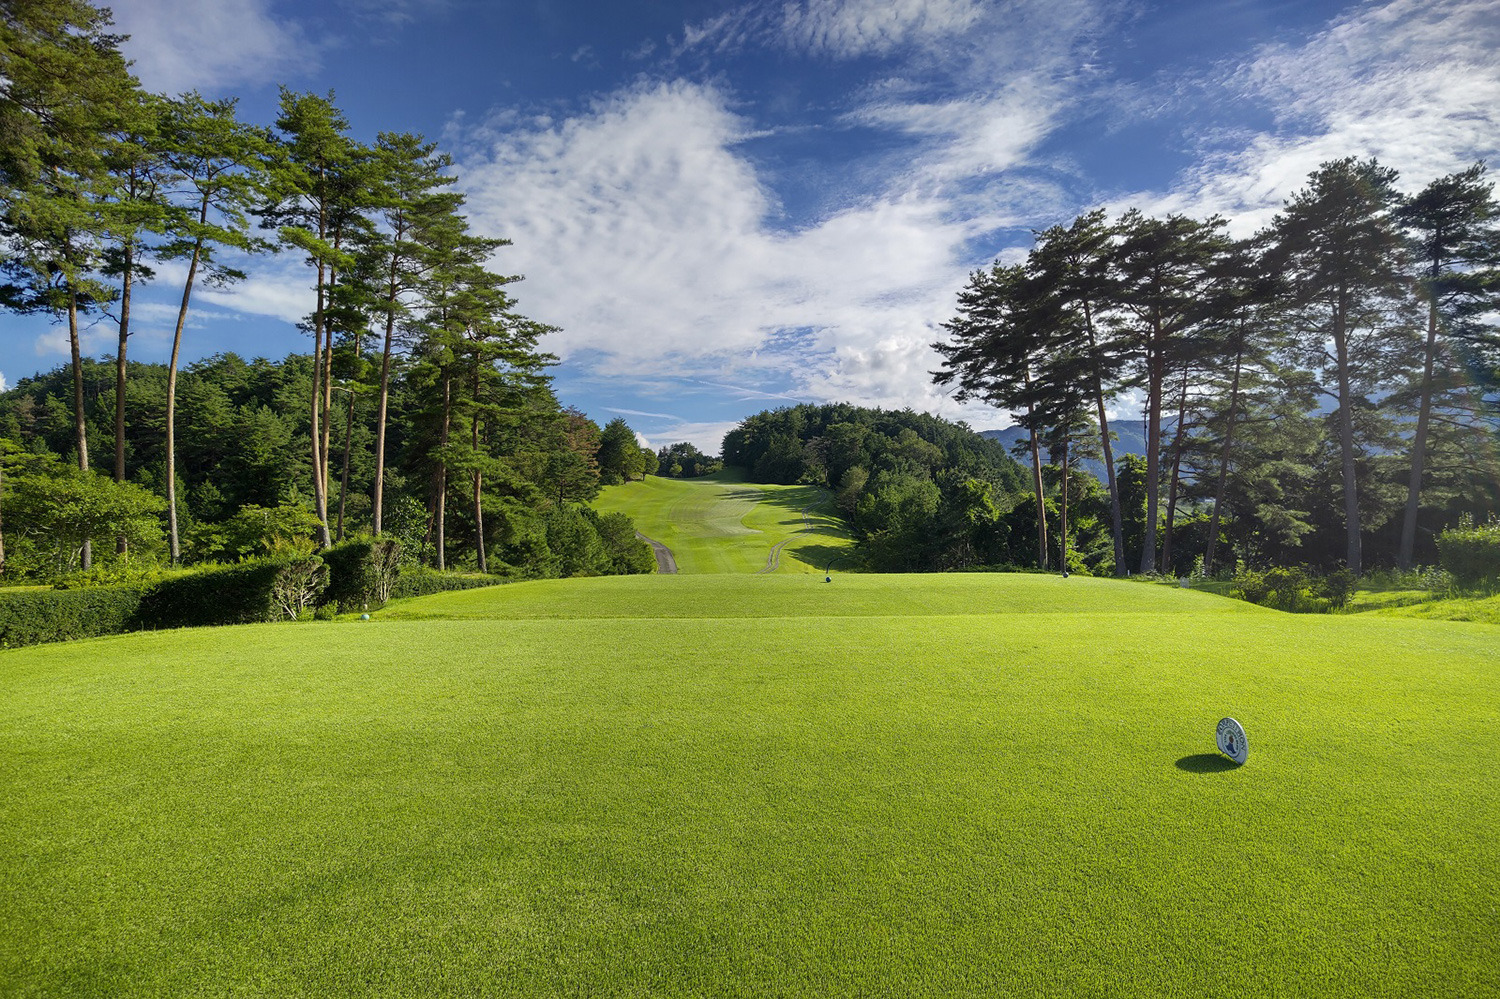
758 785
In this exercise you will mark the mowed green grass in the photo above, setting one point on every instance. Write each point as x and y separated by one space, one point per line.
758 785
721 524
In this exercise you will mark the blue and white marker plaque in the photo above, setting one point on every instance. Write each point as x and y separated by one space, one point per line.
1231 739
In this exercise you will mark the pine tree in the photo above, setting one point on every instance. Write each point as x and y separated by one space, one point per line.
65 93
218 176
1455 225
1338 248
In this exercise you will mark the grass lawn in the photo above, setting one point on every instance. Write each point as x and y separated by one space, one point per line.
720 523
758 785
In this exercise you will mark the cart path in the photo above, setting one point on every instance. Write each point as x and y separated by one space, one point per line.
773 560
665 562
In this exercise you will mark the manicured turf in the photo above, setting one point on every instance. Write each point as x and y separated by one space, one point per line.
720 523
758 785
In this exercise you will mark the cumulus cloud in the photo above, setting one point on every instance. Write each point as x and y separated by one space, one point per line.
210 45
649 239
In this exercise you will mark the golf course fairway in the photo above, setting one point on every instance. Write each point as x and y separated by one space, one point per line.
721 523
758 785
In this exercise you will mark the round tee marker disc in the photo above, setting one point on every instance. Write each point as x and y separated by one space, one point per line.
1231 739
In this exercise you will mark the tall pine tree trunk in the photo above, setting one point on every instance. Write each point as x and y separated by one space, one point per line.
1346 438
377 522
442 475
125 289
1179 439
1419 439
348 438
80 423
1234 402
1154 378
319 470
1116 517
478 477
182 311
1064 525
1036 480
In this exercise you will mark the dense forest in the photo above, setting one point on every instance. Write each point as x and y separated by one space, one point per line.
1325 393
424 410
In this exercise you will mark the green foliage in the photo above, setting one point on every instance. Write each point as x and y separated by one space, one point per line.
684 461
253 532
1470 554
52 509
361 573
420 581
29 617
572 538
626 554
273 589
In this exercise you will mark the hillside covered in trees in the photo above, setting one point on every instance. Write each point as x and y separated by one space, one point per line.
922 493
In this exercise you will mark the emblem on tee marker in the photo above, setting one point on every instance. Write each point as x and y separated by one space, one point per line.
1231 739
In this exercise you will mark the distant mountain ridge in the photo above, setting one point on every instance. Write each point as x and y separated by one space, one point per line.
1130 438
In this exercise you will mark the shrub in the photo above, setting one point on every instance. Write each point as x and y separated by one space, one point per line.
1338 587
30 617
361 573
1285 588
419 581
1471 554
269 590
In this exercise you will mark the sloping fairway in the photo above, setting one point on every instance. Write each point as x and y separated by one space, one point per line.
761 786
720 523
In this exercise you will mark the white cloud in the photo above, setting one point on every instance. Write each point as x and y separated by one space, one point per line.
850 28
1414 83
648 239
210 45
3 383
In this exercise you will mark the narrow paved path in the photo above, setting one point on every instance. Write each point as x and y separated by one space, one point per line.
665 563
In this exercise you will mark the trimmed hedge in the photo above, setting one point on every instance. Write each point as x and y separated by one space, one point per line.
361 573
1471 554
30 617
418 582
271 590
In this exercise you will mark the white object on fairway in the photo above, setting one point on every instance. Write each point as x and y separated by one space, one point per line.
364 617
1231 739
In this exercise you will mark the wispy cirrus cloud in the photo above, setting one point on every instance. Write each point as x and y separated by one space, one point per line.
1414 83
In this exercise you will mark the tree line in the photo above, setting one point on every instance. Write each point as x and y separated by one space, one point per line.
425 397
1325 392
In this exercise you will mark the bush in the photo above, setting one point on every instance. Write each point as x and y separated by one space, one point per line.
418 582
1338 587
361 573
1471 555
269 590
1284 588
30 617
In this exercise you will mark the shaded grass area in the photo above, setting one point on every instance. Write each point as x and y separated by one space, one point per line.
926 803
721 524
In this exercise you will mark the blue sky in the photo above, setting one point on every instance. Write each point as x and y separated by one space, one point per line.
727 207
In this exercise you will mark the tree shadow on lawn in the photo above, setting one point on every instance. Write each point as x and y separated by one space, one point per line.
1206 763
819 556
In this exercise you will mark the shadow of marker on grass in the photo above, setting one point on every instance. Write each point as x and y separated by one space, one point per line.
1206 763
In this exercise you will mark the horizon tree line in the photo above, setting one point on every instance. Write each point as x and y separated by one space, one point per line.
1349 349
